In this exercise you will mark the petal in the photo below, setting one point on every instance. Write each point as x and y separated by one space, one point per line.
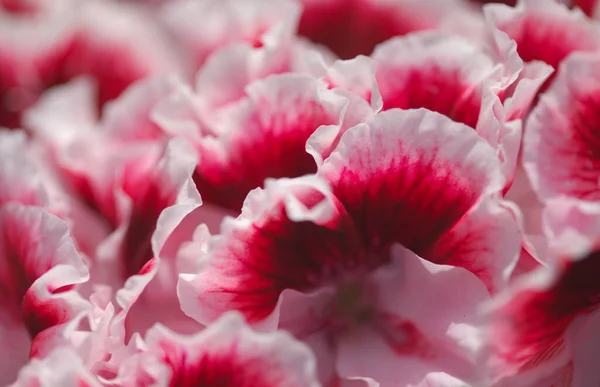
529 325
62 368
37 276
173 246
355 75
409 176
153 183
19 180
208 26
128 118
544 29
342 26
114 57
412 70
291 235
560 153
487 242
228 353
266 137
424 327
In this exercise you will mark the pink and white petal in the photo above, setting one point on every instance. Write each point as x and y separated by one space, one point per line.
521 193
571 226
163 196
16 343
412 70
52 119
525 89
19 180
129 117
505 137
134 47
355 75
293 234
326 138
229 353
38 277
424 324
409 176
265 137
529 324
152 182
365 352
62 368
560 143
39 274
171 234
205 27
180 114
27 45
486 241
544 29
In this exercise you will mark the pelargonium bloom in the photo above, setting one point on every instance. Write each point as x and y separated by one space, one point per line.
336 258
544 30
39 277
544 330
65 39
560 145
486 88
227 353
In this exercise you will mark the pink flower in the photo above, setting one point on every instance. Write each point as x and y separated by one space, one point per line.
69 38
544 330
38 279
333 258
545 30
227 353
559 149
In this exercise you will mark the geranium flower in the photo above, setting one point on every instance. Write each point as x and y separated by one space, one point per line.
333 257
543 332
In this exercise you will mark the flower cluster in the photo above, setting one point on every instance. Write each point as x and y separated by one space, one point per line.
299 193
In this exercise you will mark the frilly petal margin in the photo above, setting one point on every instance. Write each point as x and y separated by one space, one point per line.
227 353
391 188
560 145
537 329
39 275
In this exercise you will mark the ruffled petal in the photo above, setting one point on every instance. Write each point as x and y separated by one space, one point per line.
19 180
544 29
418 176
62 368
291 235
435 71
560 153
529 324
38 277
265 137
487 242
227 353
205 27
